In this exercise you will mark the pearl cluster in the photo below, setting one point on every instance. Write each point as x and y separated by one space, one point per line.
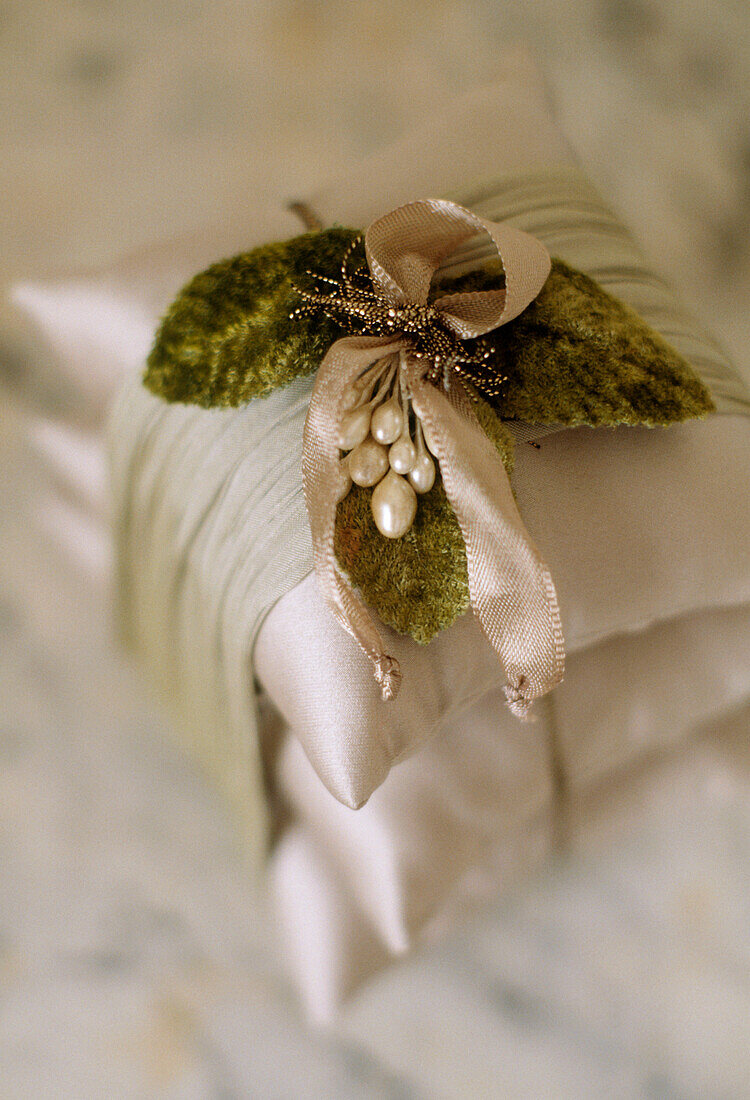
382 451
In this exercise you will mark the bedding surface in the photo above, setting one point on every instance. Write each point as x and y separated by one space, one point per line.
133 955
213 547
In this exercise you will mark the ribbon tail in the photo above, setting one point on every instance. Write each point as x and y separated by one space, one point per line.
343 363
511 589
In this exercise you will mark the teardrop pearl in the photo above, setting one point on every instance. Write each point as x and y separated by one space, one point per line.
368 462
394 506
345 481
354 427
402 455
422 475
387 421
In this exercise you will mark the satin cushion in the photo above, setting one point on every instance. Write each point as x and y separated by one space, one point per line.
645 532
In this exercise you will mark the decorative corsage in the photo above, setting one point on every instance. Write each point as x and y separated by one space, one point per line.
427 332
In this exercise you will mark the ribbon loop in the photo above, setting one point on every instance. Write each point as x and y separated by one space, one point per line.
406 247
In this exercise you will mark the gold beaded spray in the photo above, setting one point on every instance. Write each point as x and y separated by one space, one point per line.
354 303
383 440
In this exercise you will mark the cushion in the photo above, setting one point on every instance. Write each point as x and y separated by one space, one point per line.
645 531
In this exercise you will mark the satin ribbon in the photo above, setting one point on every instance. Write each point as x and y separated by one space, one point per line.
511 590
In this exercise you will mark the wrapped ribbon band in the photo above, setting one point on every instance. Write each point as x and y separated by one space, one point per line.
511 589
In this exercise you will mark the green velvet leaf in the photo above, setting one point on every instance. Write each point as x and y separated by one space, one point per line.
228 336
576 355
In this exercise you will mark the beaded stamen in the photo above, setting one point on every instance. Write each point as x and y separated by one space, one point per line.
354 303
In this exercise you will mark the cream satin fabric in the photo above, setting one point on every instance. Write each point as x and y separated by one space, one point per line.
645 533
476 807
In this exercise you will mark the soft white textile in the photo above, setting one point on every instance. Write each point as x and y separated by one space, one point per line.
487 797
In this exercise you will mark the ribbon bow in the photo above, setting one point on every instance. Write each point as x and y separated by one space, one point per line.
511 590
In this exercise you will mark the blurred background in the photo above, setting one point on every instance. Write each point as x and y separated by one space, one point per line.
134 956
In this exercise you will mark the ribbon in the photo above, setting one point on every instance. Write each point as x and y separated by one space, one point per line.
510 587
